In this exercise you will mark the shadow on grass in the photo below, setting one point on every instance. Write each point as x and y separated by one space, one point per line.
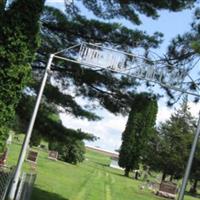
101 164
193 195
111 170
38 194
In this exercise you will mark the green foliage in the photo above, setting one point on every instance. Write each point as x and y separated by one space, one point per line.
139 128
81 29
195 171
18 42
196 46
46 126
71 151
128 9
109 90
183 52
2 7
171 146
54 96
60 31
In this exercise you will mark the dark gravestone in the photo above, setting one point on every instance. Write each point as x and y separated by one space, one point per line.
167 189
3 158
53 155
32 156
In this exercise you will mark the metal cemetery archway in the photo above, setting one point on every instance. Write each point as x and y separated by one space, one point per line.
96 56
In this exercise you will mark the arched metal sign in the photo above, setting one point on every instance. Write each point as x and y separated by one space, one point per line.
96 56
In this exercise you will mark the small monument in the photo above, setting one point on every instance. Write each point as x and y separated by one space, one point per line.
32 156
3 158
9 140
53 155
167 189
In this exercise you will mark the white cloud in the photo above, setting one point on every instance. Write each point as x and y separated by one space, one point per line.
163 113
110 128
194 108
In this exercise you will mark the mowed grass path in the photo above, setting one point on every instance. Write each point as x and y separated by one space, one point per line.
90 180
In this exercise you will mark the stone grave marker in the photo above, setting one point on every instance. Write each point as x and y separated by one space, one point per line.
53 155
3 158
167 189
32 156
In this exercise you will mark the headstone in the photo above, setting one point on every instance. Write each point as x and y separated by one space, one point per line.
53 155
3 158
153 186
16 139
167 189
32 156
114 162
9 140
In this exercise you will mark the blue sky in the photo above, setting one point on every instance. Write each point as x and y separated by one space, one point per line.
169 23
109 129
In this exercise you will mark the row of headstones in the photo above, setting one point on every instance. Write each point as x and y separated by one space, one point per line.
33 156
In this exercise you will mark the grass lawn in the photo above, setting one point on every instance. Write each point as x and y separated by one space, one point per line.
90 180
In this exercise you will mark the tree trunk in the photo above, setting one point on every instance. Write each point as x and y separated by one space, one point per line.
136 175
193 189
163 176
126 172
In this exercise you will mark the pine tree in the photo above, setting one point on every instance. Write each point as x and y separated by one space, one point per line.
183 52
139 128
60 31
171 146
127 9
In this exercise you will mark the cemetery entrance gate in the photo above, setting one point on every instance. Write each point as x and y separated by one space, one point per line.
96 56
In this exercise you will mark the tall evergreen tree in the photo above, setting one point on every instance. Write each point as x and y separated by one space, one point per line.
170 148
19 40
139 128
